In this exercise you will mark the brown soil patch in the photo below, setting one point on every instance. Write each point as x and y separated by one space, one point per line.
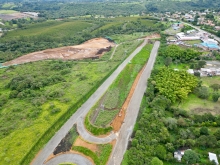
214 111
35 157
16 15
93 147
153 36
93 48
119 119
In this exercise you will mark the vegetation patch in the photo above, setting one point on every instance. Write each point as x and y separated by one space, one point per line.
174 85
100 157
38 110
67 142
101 114
67 163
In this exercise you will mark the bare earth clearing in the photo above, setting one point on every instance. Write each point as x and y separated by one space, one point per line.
93 48
16 15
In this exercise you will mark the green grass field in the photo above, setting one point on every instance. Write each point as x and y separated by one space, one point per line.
24 120
55 29
7 11
198 105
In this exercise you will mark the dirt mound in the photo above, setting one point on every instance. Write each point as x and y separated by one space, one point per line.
93 48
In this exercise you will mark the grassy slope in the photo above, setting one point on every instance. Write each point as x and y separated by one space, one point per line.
15 145
57 29
123 84
7 11
193 102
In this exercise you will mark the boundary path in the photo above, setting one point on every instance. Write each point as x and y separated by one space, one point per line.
82 111
132 111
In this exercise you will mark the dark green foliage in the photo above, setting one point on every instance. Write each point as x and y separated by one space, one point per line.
215 87
178 53
217 134
215 96
204 131
156 161
27 85
160 152
197 74
168 61
201 64
190 157
202 92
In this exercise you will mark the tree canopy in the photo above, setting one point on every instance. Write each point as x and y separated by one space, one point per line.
175 85
178 53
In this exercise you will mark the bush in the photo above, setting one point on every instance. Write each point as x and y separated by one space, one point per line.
215 96
204 131
202 92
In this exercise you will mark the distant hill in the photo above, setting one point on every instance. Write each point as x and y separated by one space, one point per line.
168 5
68 8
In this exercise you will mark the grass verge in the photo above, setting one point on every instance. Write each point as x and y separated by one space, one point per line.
122 84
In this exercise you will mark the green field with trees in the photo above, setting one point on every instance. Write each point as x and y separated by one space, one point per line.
38 36
34 103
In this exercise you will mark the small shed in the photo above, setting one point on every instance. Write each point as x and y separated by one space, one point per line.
212 157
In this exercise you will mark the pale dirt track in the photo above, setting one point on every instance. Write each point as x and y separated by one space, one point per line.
92 48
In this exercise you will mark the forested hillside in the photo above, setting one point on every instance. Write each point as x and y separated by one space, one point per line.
69 8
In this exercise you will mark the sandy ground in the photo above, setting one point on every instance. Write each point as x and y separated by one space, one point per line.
16 15
89 49
79 142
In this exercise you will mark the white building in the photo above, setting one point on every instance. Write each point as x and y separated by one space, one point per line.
212 157
181 36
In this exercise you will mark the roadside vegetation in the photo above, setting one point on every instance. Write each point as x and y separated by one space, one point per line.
166 124
101 115
100 157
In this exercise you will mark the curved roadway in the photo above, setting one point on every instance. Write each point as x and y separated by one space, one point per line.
132 111
91 138
82 111
70 158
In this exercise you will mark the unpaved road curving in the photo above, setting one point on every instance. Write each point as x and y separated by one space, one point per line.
92 48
